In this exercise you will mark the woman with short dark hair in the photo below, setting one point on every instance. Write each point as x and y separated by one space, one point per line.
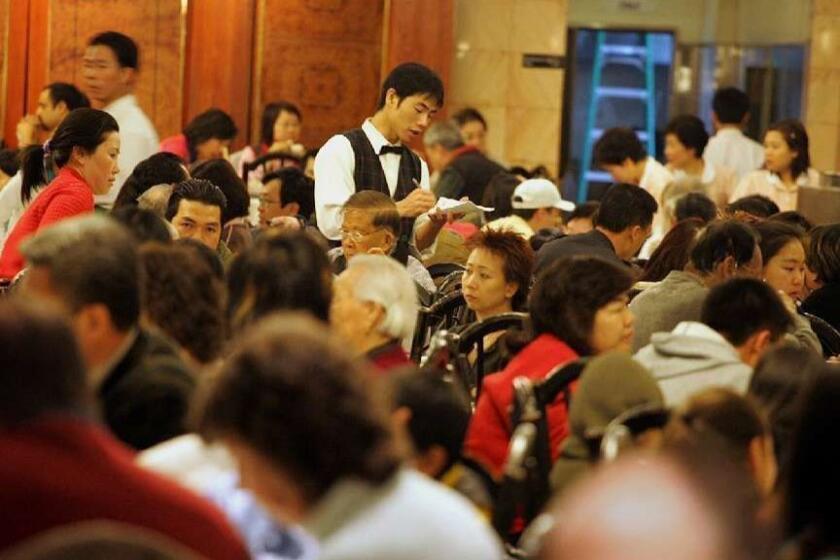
207 136
578 307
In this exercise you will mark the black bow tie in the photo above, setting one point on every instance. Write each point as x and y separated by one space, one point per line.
386 149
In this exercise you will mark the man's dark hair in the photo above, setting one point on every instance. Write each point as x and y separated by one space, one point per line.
9 162
690 131
695 205
440 413
183 297
279 272
793 218
221 173
498 193
467 115
568 294
730 105
756 205
198 190
91 260
617 145
625 206
212 123
123 46
145 225
269 117
412 78
162 168
824 253
62 92
310 414
721 239
741 307
42 369
796 137
295 187
586 210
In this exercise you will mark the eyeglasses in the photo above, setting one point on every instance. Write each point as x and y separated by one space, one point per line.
356 236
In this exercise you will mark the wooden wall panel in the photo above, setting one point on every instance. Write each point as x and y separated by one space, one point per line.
16 23
322 55
4 58
220 41
156 26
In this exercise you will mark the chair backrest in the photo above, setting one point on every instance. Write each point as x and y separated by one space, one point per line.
282 159
443 314
450 283
471 338
440 271
525 488
829 336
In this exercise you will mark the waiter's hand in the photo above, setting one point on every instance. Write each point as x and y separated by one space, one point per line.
418 201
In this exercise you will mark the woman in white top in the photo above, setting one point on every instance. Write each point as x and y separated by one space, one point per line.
787 166
685 140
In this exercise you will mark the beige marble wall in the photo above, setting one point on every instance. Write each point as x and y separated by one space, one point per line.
823 113
522 105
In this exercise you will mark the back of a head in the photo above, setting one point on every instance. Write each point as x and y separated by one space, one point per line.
91 259
812 484
674 251
310 414
742 307
295 187
411 78
498 194
162 168
183 297
440 413
9 162
588 209
617 145
381 279
695 205
721 239
794 218
568 293
381 206
280 272
723 415
62 92
221 173
145 225
198 190
36 381
123 46
624 206
445 134
730 105
824 253
212 123
755 206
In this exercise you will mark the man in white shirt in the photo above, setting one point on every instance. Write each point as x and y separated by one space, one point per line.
620 153
375 156
109 71
729 147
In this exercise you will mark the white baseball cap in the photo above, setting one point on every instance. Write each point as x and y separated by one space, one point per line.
539 193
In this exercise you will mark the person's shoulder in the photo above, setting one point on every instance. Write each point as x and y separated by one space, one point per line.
336 144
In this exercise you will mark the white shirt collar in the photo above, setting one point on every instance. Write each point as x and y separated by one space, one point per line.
376 138
729 132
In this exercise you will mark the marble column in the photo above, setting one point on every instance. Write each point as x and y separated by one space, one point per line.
823 84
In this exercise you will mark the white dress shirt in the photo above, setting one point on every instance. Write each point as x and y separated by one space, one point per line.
731 148
769 184
138 141
334 184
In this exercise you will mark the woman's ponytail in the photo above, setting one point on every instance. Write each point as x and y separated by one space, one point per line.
35 164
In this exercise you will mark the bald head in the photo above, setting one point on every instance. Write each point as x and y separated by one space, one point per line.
642 508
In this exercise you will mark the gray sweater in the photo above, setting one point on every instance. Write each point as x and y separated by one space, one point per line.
677 298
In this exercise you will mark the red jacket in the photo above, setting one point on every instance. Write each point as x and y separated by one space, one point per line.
66 196
61 470
489 431
388 357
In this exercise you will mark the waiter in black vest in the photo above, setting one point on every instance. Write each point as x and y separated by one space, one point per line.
376 157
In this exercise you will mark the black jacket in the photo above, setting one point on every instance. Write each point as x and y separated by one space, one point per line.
592 243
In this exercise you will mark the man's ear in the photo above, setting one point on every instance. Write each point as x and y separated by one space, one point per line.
78 155
727 267
390 241
127 75
62 106
290 209
94 319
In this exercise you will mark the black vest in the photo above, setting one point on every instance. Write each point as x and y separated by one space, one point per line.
368 175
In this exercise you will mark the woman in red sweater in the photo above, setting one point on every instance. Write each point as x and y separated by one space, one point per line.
79 161
578 307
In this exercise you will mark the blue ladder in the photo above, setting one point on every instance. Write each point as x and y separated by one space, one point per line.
624 54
